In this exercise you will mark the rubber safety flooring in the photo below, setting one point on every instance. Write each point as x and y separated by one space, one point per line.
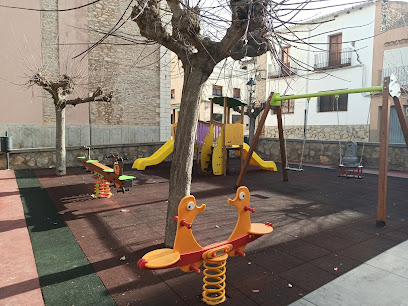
324 226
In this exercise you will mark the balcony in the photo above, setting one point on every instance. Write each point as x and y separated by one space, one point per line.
332 60
401 72
284 71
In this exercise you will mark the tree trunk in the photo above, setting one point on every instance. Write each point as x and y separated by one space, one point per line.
60 166
251 129
182 164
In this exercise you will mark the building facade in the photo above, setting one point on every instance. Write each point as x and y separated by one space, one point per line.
329 53
228 79
390 57
137 73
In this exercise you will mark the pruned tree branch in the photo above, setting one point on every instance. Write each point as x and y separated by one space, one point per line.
97 96
147 16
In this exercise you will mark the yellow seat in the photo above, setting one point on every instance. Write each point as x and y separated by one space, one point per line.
260 229
161 258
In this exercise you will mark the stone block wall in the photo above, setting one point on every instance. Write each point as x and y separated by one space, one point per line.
133 71
328 152
322 132
49 52
43 135
45 157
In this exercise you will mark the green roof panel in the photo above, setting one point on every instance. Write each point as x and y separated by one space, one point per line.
231 102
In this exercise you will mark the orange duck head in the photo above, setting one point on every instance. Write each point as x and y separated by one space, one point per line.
188 209
185 241
241 202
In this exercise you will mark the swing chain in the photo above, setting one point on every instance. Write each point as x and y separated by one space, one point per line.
368 127
304 134
338 130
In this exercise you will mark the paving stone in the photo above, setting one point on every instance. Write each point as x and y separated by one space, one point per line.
335 263
328 241
379 243
272 291
359 252
398 236
303 250
350 234
307 276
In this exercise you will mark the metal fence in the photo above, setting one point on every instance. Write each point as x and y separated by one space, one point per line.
333 59
401 72
283 71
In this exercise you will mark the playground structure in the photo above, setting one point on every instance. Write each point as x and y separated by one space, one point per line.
215 140
105 176
389 88
188 255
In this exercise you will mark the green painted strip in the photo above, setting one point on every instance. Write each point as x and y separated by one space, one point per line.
126 177
65 274
276 97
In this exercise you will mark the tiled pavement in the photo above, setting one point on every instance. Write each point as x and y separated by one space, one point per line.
324 226
383 280
19 284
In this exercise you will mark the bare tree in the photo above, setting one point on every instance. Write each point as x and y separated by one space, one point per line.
60 88
245 36
202 34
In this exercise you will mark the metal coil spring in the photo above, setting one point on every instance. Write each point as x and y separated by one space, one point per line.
102 189
214 282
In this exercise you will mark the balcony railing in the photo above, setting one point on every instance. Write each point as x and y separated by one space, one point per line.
285 70
401 72
333 59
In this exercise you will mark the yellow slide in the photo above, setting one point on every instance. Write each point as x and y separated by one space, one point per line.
164 151
257 161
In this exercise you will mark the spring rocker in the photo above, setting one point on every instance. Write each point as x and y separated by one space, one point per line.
188 255
105 176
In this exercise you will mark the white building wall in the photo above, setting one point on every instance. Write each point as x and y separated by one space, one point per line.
357 28
229 76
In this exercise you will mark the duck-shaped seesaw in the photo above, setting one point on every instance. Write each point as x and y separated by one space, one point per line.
188 255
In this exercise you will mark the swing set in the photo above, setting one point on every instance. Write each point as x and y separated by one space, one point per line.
389 88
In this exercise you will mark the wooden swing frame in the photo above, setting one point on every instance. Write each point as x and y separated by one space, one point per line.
275 101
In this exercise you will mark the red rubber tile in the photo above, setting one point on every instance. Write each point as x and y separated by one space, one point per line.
19 284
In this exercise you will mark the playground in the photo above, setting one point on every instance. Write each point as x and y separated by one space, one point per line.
86 250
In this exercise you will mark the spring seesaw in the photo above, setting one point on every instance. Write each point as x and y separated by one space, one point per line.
188 255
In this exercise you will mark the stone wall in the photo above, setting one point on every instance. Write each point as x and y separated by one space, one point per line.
322 132
43 135
328 152
49 52
45 157
133 70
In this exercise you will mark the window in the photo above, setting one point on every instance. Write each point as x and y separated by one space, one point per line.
236 118
217 117
217 90
173 93
237 93
288 107
285 58
329 104
335 50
